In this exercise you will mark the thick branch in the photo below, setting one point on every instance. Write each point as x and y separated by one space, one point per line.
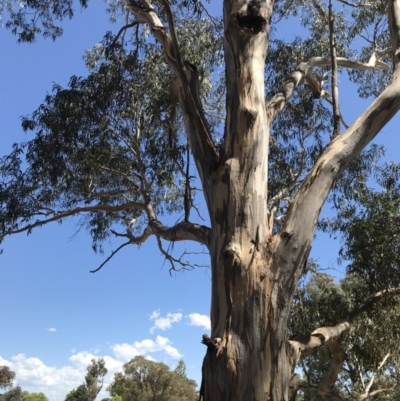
179 232
372 300
307 344
336 364
203 149
182 231
297 232
304 70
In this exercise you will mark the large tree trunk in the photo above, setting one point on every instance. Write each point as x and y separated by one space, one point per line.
246 357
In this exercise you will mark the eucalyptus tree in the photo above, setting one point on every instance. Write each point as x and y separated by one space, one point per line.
6 377
146 380
114 148
94 378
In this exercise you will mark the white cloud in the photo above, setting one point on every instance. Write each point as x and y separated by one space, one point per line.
125 351
51 329
164 323
200 320
34 375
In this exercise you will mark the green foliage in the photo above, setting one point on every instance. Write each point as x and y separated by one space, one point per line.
114 138
6 377
79 394
147 380
369 224
95 378
14 394
180 370
37 17
323 302
26 396
104 139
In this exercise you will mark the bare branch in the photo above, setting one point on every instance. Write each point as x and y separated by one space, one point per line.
325 96
122 30
356 5
174 261
110 257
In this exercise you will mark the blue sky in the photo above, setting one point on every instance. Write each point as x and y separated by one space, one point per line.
54 315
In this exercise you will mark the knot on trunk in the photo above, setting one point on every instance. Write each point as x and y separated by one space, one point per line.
216 343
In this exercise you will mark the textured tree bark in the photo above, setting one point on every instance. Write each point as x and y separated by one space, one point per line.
255 274
246 357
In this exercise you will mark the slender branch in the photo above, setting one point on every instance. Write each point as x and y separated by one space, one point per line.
334 84
174 261
372 300
110 257
371 381
329 393
88 209
339 397
187 197
123 29
325 96
356 5
365 396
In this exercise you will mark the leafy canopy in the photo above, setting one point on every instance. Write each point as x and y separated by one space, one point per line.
146 380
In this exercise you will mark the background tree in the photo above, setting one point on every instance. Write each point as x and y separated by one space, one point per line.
95 378
94 381
78 394
27 396
6 377
180 369
14 394
146 380
114 149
